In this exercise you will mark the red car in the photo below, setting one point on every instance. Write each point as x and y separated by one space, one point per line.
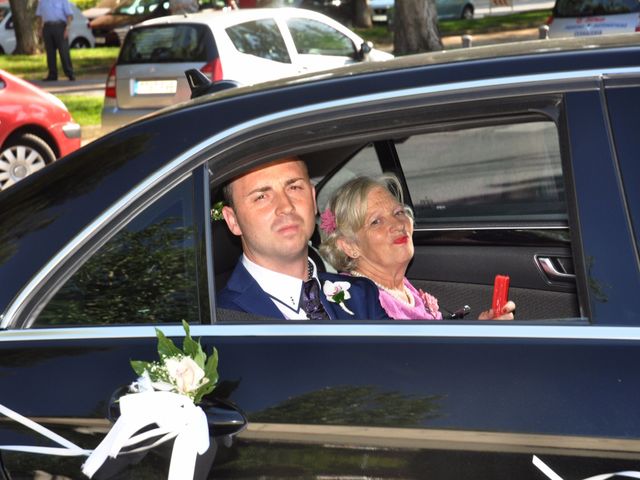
35 129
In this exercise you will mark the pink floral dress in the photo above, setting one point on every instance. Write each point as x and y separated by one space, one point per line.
425 306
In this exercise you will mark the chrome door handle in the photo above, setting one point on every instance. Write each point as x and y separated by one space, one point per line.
552 272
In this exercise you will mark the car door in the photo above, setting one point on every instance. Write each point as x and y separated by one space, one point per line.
8 33
358 398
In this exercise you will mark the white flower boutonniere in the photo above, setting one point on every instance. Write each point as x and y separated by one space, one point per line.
338 292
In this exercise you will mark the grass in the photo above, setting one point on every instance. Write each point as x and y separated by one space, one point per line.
85 110
85 61
381 34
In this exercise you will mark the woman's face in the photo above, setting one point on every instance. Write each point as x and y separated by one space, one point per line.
384 242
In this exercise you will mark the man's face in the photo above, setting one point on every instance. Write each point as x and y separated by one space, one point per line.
274 212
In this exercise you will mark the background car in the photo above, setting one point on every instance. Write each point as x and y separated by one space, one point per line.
580 18
102 7
517 159
111 28
80 35
244 46
35 129
383 10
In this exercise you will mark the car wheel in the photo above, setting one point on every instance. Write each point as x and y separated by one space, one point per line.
467 13
80 42
22 156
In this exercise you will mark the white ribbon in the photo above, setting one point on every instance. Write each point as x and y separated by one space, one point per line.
544 468
175 415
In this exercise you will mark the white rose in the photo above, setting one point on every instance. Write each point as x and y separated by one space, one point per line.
185 374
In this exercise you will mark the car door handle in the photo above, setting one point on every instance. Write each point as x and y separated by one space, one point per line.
224 418
552 272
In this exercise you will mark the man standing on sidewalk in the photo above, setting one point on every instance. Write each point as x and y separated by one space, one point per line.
54 17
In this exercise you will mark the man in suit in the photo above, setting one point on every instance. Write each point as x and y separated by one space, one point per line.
272 209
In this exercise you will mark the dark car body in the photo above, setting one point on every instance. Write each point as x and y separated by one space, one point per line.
524 164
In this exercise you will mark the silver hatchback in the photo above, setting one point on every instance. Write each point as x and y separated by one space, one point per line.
245 46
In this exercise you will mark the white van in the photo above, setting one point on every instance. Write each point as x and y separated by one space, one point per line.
583 18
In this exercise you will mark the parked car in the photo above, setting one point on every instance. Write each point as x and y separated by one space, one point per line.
111 28
102 7
35 129
382 10
80 35
517 159
584 18
244 46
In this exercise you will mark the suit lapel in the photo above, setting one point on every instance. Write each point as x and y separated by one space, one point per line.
249 296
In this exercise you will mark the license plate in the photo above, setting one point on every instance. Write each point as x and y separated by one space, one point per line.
100 40
155 87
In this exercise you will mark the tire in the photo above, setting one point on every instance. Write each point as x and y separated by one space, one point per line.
467 13
21 156
80 42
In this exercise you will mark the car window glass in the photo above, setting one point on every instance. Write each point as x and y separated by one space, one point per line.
582 8
261 38
168 43
365 162
494 173
145 274
316 38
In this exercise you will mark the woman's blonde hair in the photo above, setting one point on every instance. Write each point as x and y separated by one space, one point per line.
348 205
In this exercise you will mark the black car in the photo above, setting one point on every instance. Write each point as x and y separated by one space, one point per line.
516 159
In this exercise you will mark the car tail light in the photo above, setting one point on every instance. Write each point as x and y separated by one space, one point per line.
213 70
110 86
549 20
638 24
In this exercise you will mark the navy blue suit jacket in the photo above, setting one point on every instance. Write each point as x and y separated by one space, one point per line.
243 293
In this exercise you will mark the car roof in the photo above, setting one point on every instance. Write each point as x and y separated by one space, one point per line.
227 17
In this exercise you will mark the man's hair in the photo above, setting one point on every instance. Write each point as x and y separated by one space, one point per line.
227 187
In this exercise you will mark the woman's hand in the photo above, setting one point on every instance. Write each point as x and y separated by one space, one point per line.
507 312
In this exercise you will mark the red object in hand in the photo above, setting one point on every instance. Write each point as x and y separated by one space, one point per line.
500 294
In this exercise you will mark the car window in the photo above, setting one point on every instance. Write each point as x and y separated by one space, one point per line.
365 162
140 7
165 44
146 273
261 38
494 173
316 38
582 8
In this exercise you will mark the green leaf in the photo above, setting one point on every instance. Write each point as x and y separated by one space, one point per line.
166 347
339 297
139 366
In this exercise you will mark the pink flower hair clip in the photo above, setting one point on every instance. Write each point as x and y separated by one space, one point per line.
328 222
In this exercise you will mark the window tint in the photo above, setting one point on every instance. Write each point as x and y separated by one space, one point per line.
365 162
145 274
496 173
586 8
166 44
261 38
316 38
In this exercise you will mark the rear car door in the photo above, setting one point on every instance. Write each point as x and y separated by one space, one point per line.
370 399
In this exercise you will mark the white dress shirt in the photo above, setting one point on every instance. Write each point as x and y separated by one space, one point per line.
284 290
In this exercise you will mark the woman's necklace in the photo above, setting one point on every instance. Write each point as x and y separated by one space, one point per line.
403 295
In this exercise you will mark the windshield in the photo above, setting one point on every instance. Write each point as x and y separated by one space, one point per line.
589 8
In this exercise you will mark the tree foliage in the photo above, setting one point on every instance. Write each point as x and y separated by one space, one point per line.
416 27
24 19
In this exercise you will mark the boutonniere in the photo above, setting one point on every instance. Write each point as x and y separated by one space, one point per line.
338 292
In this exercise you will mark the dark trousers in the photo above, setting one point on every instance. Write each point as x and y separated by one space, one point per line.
53 36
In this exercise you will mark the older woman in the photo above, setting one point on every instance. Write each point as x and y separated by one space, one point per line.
366 231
